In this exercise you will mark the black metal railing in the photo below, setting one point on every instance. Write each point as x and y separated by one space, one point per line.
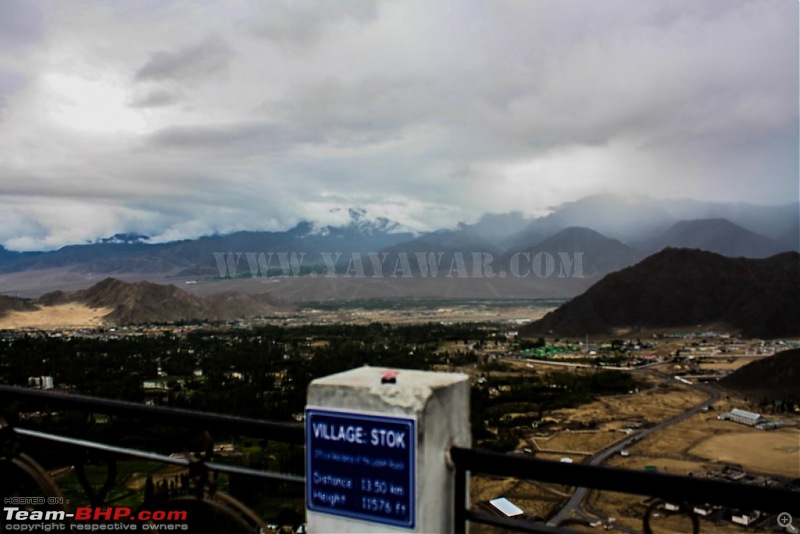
668 488
198 488
201 492
286 432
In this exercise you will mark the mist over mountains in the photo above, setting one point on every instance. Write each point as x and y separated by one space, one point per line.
598 234
627 264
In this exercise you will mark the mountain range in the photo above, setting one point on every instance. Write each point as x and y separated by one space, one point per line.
146 302
599 234
674 289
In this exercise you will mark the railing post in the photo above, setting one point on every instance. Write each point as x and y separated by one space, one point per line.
376 444
460 502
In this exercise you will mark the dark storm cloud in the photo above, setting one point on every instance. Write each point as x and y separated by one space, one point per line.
376 107
305 22
199 61
156 99
237 136
275 137
11 83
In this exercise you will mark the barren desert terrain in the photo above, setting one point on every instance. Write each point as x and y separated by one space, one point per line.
62 316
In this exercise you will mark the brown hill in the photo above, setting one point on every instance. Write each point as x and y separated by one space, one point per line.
54 298
146 302
143 302
8 304
774 377
684 288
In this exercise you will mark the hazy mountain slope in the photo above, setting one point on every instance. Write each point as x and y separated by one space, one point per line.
75 255
683 288
122 254
444 241
771 221
625 218
636 218
599 254
789 240
636 221
492 233
7 255
525 239
484 239
715 235
231 304
145 264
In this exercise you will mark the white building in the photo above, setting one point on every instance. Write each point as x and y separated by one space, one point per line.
746 418
745 518
506 507
40 382
703 510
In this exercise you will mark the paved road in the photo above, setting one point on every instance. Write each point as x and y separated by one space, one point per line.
573 504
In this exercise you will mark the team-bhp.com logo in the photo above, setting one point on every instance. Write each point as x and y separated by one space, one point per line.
93 519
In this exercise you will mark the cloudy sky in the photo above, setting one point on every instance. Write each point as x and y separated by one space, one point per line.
182 118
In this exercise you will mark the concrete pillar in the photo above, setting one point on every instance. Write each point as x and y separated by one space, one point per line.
376 451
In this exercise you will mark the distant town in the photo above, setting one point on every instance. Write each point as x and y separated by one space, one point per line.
651 402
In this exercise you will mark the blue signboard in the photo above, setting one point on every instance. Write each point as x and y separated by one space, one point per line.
361 466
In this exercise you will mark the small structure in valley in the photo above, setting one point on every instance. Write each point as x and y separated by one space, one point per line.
506 507
743 417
